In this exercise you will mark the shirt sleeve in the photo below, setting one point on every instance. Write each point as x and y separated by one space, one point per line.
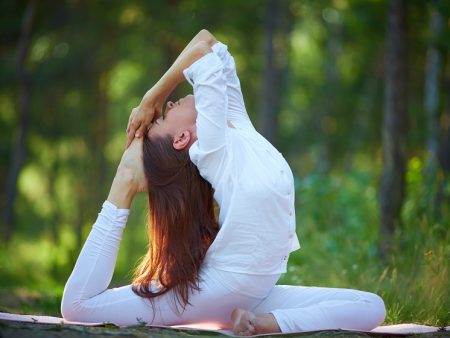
86 296
209 152
207 77
236 112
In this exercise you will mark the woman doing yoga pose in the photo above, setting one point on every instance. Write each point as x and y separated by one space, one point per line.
199 269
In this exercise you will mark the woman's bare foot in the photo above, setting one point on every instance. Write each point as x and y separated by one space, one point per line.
242 321
246 323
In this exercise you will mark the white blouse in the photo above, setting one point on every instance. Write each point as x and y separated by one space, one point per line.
253 183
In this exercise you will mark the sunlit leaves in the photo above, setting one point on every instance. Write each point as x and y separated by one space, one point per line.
40 48
123 77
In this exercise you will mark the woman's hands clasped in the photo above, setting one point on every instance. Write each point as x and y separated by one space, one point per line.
143 115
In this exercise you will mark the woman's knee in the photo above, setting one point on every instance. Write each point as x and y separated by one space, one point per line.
72 310
68 311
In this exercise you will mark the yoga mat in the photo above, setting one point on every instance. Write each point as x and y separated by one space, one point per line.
388 330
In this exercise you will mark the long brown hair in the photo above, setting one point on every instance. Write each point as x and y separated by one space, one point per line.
181 223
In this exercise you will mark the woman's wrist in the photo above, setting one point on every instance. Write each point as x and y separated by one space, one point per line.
123 189
158 94
167 83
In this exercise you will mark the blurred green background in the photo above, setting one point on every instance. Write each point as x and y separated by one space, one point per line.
313 73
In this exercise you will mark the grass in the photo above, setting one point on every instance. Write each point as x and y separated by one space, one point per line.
337 218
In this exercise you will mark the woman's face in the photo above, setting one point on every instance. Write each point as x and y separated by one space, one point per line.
178 117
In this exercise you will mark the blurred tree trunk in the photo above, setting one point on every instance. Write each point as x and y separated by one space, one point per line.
360 125
433 70
443 197
19 151
325 122
394 132
278 23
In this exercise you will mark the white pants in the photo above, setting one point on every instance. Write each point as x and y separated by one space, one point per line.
87 299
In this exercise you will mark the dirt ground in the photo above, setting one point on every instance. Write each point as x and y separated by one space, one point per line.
10 329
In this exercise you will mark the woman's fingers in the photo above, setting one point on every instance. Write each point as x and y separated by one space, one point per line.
137 128
131 131
134 123
129 124
138 122
133 114
130 138
141 131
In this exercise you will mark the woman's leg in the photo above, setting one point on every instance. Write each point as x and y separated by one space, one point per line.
297 308
87 299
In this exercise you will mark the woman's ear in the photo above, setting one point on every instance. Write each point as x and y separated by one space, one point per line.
182 140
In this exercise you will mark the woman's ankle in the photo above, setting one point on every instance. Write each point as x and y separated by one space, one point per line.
266 323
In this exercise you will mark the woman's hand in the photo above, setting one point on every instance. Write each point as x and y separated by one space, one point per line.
148 110
130 178
151 105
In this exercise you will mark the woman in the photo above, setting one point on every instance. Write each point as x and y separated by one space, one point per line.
198 270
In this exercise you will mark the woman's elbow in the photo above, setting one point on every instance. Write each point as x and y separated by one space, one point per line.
206 36
202 48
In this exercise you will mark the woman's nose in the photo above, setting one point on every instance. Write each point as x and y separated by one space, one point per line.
170 104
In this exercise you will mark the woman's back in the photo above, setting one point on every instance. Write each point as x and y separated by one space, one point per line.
253 183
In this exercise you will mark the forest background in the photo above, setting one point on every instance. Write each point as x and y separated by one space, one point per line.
354 93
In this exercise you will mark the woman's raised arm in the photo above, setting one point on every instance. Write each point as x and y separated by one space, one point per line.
152 102
129 178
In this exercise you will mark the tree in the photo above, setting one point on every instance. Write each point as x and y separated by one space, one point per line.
433 69
324 119
443 198
438 140
19 151
394 130
277 26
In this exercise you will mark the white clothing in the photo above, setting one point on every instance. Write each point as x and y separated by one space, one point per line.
87 299
301 308
253 183
254 188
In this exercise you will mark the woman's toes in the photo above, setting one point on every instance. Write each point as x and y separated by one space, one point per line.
242 322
